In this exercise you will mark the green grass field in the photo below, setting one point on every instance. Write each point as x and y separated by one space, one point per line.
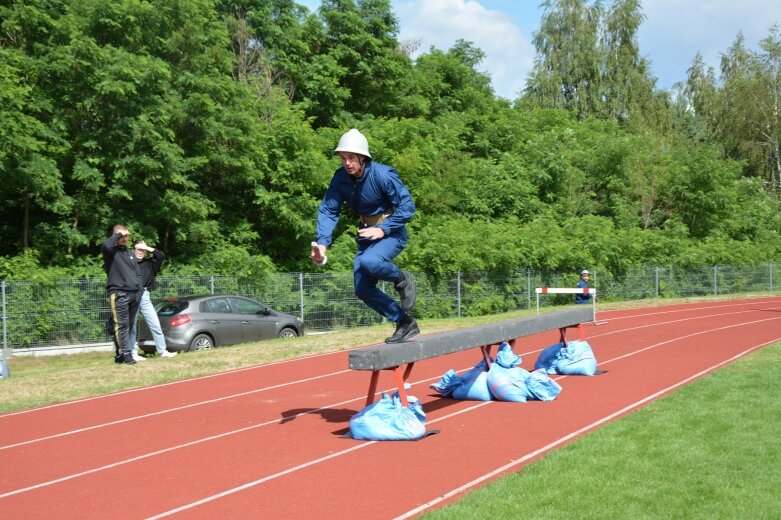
708 450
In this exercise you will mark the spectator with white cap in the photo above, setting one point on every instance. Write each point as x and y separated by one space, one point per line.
583 297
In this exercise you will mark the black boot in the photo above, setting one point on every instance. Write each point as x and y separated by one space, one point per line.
125 358
406 327
405 286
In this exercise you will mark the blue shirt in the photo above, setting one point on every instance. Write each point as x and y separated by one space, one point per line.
582 297
379 190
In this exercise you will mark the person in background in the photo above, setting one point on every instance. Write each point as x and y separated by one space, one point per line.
123 286
149 268
384 205
583 284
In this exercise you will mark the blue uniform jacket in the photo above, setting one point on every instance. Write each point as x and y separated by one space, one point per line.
378 191
582 297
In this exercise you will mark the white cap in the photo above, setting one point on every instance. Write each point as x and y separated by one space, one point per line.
584 271
354 142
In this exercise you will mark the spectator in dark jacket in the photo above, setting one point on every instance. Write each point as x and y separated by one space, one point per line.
123 286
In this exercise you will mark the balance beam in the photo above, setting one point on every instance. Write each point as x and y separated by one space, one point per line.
393 356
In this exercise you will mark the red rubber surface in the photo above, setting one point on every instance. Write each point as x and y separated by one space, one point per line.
264 442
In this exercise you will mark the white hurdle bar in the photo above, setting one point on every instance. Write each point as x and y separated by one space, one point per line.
569 290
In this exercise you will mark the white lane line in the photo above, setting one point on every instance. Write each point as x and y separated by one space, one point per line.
170 410
294 469
172 383
169 449
570 436
741 303
681 320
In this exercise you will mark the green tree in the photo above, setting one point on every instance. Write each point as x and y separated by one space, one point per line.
588 61
696 103
32 188
627 87
750 116
567 66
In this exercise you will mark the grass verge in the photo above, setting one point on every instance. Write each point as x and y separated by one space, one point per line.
44 380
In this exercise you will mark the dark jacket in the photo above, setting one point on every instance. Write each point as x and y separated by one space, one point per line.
120 266
149 269
582 297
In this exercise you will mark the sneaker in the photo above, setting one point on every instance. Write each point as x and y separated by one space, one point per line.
405 329
165 353
126 358
138 357
405 286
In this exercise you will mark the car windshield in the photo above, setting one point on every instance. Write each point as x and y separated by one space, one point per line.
169 308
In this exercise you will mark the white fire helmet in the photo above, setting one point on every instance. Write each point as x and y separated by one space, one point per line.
353 142
583 272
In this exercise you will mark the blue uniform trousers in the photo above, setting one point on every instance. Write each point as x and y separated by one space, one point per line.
373 262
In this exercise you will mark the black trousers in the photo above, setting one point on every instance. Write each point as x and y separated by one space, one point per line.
124 308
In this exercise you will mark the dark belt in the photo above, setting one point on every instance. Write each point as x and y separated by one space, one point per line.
376 220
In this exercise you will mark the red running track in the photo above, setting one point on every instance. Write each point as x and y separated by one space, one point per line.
265 441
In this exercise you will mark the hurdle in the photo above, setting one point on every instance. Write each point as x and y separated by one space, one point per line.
570 290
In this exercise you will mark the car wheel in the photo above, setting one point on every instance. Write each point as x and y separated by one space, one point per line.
201 342
288 332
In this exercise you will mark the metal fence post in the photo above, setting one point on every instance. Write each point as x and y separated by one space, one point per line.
301 293
715 280
771 276
211 284
458 294
4 373
528 289
656 281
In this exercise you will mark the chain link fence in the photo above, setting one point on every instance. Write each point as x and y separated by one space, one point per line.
74 312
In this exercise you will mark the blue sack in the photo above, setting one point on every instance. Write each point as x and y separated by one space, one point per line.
576 359
541 386
448 383
473 385
509 384
506 380
506 357
547 358
388 420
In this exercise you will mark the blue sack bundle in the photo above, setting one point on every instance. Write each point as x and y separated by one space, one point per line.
472 385
541 386
547 358
506 380
389 420
447 384
506 357
576 359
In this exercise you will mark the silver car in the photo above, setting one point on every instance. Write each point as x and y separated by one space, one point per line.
201 322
